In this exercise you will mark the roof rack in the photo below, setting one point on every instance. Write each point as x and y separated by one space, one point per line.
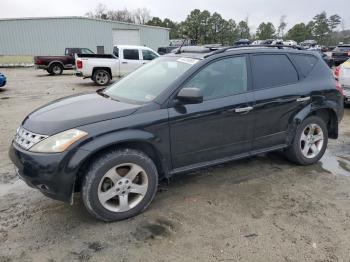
222 50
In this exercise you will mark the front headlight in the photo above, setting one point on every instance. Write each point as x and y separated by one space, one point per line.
59 142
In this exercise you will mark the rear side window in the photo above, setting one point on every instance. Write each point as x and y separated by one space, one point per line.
305 63
116 51
272 71
131 54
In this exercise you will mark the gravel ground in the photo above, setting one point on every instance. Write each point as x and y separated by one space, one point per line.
257 209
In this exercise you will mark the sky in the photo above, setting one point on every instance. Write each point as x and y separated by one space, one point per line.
257 11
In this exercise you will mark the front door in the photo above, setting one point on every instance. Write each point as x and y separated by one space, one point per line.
221 126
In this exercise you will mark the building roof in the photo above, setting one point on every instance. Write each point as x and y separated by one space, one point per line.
79 17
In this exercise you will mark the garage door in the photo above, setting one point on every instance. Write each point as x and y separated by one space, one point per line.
126 37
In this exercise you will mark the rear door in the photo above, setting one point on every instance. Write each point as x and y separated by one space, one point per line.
130 60
278 96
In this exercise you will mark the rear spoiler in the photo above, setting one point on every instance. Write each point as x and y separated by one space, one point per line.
96 56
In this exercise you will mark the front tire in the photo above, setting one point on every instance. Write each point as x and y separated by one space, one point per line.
310 142
101 77
119 185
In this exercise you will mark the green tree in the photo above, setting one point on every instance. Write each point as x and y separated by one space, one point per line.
321 29
155 21
192 25
204 27
232 34
265 31
300 32
334 21
243 29
216 27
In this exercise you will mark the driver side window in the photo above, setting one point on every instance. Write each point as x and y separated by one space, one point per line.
222 78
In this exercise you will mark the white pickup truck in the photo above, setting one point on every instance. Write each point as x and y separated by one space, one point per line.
102 68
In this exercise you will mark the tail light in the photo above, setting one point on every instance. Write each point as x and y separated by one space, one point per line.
336 72
79 64
339 88
38 61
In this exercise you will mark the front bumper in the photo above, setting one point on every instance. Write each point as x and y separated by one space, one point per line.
49 173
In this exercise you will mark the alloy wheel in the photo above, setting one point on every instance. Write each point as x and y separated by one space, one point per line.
311 140
101 78
123 187
56 70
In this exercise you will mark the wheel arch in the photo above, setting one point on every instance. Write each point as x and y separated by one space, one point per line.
56 62
108 69
141 143
326 112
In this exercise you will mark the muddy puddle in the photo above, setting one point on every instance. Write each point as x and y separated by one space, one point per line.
17 187
336 164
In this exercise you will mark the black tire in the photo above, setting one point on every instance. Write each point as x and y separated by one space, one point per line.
55 69
101 77
294 152
97 171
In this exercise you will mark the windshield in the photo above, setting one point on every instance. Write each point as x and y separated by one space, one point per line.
150 80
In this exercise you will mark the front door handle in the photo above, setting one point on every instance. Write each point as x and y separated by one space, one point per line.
302 99
124 62
244 109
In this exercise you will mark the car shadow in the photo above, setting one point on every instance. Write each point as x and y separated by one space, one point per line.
48 75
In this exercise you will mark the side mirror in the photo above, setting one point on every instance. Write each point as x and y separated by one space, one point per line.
190 95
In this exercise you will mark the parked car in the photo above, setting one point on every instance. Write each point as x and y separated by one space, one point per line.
242 42
329 60
55 65
2 80
166 49
179 113
102 68
267 42
290 42
340 54
308 44
342 73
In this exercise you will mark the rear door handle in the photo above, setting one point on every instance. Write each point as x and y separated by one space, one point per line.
244 109
302 99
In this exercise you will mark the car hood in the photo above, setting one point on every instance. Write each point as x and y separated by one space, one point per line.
75 111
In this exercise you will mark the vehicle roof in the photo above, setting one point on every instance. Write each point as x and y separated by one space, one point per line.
203 52
133 46
344 45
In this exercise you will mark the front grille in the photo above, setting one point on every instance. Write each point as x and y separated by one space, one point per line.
27 139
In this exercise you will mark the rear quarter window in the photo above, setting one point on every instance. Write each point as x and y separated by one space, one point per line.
273 70
305 63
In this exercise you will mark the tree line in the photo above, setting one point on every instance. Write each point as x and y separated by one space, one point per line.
208 28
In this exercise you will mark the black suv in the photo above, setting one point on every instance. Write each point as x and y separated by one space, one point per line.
179 113
340 54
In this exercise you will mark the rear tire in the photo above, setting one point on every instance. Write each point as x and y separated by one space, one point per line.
119 185
101 77
310 142
55 69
